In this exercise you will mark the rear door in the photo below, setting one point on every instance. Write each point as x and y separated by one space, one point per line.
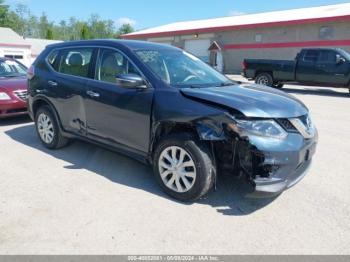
306 70
116 114
66 86
329 71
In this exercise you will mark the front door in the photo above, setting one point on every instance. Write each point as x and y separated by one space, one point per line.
116 114
306 71
330 72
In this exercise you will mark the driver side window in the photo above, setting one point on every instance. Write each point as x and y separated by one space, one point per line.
112 63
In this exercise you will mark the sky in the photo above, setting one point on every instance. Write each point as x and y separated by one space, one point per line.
150 13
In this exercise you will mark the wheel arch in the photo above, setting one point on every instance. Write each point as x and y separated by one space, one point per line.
163 129
203 130
43 101
258 72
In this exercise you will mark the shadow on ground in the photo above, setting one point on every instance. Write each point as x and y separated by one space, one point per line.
15 120
316 91
230 198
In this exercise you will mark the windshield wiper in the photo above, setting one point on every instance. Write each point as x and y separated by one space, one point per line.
12 75
225 84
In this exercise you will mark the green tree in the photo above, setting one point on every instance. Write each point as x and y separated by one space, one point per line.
63 30
26 24
32 27
100 28
49 34
43 25
84 32
4 9
21 17
124 29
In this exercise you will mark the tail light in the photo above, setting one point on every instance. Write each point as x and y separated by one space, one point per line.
31 72
244 65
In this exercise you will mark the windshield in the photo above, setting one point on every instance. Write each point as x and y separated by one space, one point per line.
345 53
11 68
181 69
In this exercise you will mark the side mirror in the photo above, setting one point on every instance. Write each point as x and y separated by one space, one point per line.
130 81
340 59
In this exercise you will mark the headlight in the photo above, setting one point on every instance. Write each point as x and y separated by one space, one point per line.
264 128
4 96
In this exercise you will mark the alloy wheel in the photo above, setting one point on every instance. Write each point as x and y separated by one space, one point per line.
263 80
177 169
45 128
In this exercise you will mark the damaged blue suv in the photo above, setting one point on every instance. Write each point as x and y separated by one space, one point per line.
165 107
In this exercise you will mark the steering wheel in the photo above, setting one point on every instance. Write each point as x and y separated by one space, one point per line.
190 77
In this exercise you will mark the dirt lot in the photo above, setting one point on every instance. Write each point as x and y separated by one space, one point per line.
87 200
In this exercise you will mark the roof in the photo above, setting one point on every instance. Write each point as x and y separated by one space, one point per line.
129 44
38 45
8 37
340 12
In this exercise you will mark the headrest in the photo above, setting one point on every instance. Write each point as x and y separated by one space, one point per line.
110 61
76 59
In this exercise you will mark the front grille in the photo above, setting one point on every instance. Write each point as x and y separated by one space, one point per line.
21 94
304 125
287 125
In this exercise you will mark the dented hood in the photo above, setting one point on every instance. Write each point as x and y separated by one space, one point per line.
250 100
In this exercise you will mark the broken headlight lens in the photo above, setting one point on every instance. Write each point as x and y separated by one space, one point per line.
264 128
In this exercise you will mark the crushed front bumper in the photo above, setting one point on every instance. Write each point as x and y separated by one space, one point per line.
276 185
282 164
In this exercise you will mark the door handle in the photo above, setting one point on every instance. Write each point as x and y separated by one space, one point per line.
93 94
52 83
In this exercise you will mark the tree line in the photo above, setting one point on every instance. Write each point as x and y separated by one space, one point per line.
22 21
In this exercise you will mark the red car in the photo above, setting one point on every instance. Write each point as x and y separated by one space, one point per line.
13 88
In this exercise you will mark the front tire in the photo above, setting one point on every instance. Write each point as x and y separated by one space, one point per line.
48 130
183 167
264 79
278 85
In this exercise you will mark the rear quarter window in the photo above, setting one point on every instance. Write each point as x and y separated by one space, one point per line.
52 59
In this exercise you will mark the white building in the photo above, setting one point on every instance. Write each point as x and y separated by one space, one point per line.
225 42
38 45
12 45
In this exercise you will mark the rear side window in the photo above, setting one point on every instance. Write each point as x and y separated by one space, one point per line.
311 56
328 56
75 62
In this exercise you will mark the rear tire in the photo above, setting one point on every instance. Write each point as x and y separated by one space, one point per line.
183 167
264 79
48 130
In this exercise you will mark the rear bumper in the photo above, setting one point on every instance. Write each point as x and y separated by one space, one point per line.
12 108
249 74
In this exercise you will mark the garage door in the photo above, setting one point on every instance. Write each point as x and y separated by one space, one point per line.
199 48
18 55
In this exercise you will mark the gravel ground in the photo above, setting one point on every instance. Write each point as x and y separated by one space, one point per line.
86 200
